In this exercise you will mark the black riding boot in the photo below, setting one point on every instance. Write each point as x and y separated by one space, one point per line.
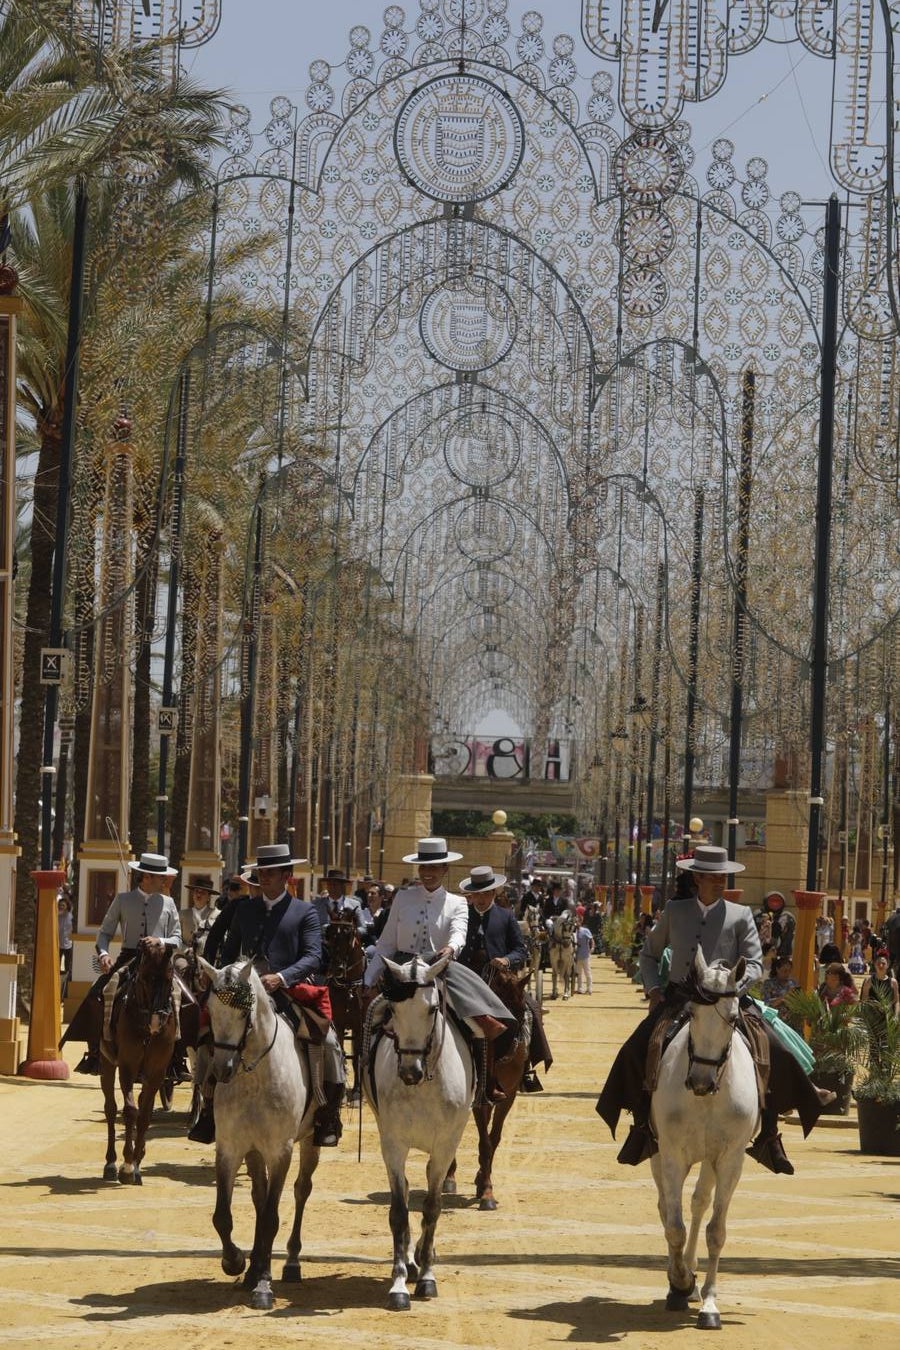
327 1127
90 1060
768 1149
204 1131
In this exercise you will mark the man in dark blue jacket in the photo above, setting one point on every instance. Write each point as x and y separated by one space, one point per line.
494 938
282 936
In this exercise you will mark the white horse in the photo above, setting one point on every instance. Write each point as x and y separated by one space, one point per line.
705 1109
562 953
421 1087
263 1103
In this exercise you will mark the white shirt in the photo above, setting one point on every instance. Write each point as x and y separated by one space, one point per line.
421 922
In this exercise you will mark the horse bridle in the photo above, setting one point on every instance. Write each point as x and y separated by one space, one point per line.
232 997
701 995
425 1050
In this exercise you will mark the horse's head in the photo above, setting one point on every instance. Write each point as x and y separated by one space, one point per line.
234 992
715 991
155 958
412 992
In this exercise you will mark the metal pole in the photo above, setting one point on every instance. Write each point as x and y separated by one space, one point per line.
886 805
745 482
248 702
654 712
693 652
819 662
66 456
184 393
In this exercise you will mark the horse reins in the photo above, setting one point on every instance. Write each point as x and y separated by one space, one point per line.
425 1050
705 996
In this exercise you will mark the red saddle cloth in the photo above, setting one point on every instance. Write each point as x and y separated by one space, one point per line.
314 996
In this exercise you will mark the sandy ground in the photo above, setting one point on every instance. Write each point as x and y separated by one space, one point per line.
574 1254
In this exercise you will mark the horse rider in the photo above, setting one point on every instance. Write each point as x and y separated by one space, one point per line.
333 903
241 887
427 920
202 911
281 935
494 938
141 912
724 931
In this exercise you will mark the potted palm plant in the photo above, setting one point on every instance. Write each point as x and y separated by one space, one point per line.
878 1091
837 1040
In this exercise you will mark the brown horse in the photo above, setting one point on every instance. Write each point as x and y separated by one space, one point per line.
144 1029
509 1070
344 970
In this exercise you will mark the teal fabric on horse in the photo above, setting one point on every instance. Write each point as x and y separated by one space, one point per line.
788 1037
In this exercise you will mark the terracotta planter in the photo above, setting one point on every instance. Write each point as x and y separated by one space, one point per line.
878 1132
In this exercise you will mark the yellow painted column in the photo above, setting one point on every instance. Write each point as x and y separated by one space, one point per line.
809 907
44 1060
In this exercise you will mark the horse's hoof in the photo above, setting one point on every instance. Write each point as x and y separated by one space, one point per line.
137 1179
234 1265
488 1203
262 1299
398 1301
709 1321
677 1300
426 1289
291 1273
126 1176
110 1172
449 1186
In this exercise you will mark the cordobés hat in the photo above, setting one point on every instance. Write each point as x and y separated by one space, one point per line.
204 883
709 858
275 855
336 874
432 851
482 879
154 864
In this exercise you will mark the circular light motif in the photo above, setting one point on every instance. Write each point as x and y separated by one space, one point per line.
648 167
468 324
485 530
459 138
481 449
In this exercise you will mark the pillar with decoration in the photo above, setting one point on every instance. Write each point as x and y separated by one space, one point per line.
10 308
202 856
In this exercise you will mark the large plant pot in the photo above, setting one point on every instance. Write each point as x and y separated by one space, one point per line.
839 1083
878 1132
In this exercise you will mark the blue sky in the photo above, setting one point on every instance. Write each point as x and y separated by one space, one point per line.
775 102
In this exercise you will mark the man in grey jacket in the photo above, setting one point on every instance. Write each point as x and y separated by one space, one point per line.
723 931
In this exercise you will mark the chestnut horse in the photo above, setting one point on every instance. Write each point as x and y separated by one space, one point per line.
509 1070
344 970
144 1027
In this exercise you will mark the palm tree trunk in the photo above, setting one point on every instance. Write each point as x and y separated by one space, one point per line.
31 720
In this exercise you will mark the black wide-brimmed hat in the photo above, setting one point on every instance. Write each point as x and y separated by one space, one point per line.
432 851
203 883
336 874
709 858
276 855
482 879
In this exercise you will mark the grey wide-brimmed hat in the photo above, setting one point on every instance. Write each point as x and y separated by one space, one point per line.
432 851
154 864
276 855
709 858
482 879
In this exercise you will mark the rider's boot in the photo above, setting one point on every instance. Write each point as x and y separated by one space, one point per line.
327 1127
768 1149
640 1143
179 1065
204 1130
531 1082
90 1060
493 1092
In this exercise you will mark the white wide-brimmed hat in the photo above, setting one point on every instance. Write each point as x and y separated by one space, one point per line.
154 864
276 855
709 858
432 851
482 879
